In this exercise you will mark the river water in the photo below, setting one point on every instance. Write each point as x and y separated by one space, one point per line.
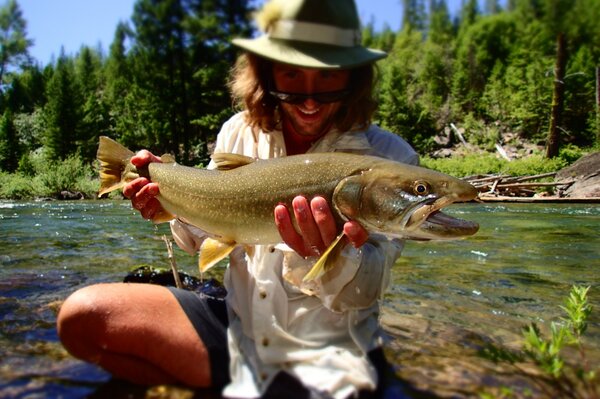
447 300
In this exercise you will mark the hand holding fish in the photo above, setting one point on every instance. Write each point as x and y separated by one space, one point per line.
317 227
141 191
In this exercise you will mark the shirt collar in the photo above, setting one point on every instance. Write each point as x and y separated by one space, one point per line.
334 140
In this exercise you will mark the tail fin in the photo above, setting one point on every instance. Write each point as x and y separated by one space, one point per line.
114 159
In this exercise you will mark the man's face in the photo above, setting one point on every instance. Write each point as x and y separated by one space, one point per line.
309 117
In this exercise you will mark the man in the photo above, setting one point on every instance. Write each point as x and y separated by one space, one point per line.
306 86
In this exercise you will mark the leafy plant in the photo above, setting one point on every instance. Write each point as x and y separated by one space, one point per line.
15 186
558 378
39 177
64 175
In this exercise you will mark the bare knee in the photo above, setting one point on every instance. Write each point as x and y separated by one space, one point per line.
138 332
81 321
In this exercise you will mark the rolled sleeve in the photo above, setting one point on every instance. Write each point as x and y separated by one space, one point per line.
186 236
375 260
357 280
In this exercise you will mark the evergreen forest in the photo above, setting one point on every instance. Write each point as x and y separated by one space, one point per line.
529 69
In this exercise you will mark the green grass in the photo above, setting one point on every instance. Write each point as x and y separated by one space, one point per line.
489 164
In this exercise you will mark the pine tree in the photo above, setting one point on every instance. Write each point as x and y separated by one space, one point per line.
119 90
63 113
27 90
95 113
13 40
556 18
181 54
161 73
482 47
401 110
440 28
414 15
211 26
9 143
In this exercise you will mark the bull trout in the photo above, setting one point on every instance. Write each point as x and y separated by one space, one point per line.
234 203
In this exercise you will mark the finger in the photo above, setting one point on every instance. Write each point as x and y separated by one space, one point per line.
143 158
151 208
324 220
144 195
288 233
356 234
132 188
308 227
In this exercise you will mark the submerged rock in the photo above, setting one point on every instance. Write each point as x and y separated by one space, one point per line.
151 275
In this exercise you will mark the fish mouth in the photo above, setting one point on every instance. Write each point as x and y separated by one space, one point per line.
428 222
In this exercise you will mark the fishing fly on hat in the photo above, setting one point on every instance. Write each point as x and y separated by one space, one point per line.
311 34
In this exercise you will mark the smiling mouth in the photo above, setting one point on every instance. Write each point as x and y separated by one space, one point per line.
308 112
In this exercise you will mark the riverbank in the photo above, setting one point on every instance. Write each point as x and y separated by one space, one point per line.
498 179
577 183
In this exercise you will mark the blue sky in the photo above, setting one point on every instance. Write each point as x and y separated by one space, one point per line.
69 24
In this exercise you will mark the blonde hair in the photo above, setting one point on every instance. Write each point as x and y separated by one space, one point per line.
249 80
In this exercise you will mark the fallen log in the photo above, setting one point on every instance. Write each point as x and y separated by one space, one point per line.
492 198
515 186
540 184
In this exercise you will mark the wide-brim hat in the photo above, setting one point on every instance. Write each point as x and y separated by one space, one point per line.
311 34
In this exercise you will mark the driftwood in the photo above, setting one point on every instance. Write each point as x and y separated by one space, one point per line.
502 152
458 134
495 187
552 199
172 261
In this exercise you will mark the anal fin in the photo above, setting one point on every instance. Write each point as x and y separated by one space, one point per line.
162 216
327 260
212 251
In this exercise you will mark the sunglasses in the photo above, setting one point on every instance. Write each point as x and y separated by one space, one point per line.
325 97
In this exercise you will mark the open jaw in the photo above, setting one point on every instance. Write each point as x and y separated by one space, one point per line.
428 222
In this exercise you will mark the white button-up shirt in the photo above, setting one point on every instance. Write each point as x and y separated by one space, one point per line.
318 332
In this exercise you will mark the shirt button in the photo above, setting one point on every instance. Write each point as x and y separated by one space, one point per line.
265 341
262 294
271 248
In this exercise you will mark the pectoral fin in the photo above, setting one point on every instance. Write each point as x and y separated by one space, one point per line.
327 260
167 158
212 251
162 216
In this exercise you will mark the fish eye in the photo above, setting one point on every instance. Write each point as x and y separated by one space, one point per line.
421 188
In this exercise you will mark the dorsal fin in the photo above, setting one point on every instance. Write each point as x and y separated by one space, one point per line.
167 158
228 161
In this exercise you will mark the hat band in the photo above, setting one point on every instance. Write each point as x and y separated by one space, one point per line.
314 33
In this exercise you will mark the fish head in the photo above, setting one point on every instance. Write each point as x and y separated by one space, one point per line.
405 201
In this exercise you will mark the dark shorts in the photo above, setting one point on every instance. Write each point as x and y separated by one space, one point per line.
209 317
